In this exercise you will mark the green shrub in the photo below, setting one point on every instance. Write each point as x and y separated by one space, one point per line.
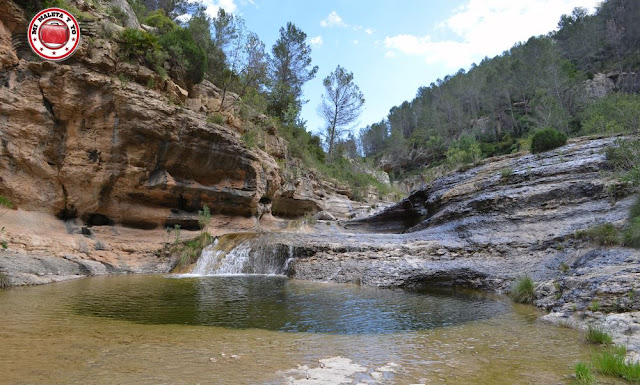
64 4
613 363
135 43
594 305
634 212
615 113
584 375
604 235
631 234
598 336
179 43
506 172
506 145
5 205
624 154
216 118
204 217
138 8
124 80
624 157
522 290
466 150
547 139
249 138
117 14
189 251
160 20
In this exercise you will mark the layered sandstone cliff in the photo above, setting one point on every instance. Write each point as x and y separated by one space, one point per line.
111 142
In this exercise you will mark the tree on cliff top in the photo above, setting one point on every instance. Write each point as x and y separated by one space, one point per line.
341 105
290 69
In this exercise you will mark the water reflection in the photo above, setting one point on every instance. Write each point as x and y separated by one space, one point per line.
281 304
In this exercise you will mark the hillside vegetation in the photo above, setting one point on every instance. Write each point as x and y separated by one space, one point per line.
579 80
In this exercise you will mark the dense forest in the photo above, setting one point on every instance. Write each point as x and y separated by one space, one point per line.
579 80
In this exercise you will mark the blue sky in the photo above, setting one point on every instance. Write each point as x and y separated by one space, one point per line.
394 47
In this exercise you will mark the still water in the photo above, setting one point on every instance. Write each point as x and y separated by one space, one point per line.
255 329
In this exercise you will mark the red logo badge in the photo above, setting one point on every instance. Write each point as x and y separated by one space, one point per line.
54 34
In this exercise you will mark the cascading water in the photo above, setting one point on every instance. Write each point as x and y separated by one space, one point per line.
243 254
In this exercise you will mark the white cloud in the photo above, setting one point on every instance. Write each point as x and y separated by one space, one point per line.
317 41
356 42
368 31
333 20
214 5
391 54
485 28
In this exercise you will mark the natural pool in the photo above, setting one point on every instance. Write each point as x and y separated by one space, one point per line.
254 329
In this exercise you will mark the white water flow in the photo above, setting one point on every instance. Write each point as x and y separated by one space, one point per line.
249 256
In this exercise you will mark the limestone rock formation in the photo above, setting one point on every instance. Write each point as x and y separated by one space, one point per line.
79 141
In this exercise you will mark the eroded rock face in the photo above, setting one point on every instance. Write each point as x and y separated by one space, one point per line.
484 227
76 141
79 141
525 199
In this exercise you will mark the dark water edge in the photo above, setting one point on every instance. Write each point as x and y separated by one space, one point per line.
281 304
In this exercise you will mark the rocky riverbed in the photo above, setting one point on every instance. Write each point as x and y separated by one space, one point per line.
480 228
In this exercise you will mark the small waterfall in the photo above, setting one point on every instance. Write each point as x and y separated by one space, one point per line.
244 254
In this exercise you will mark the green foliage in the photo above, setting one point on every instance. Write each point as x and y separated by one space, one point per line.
310 219
138 8
605 234
216 118
5 204
290 68
124 80
506 145
188 252
631 234
249 138
634 212
613 363
598 336
182 48
204 217
5 282
624 157
341 105
612 114
159 20
135 43
463 151
533 85
522 290
64 4
584 375
344 170
594 305
172 43
506 172
176 230
547 139
117 14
